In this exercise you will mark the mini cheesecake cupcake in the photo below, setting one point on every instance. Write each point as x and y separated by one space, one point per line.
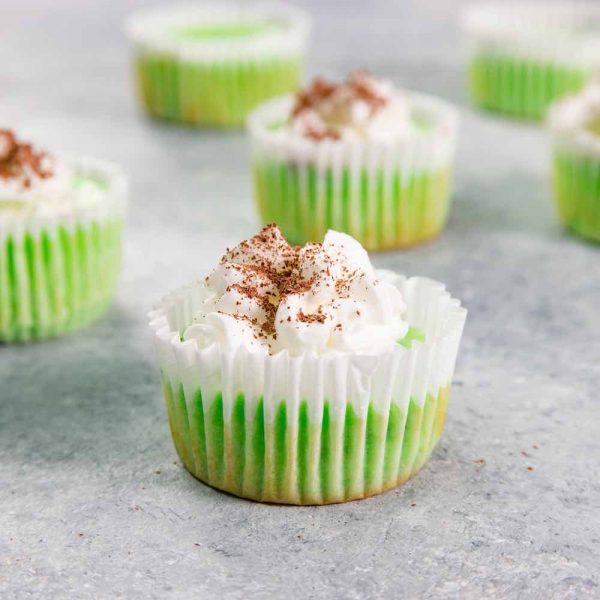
60 240
575 126
301 375
360 157
525 56
211 63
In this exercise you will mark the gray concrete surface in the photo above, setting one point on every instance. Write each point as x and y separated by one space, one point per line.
93 501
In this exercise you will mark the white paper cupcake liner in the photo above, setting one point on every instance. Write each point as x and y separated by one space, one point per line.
309 429
575 168
216 82
523 56
385 194
414 151
58 270
560 33
151 31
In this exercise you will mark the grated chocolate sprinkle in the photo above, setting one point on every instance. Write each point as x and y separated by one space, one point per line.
318 91
316 317
20 162
273 270
359 86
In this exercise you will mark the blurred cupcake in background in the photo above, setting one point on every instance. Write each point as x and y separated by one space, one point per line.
211 63
522 56
60 240
302 375
362 157
575 127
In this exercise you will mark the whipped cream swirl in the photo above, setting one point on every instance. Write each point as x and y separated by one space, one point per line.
578 112
33 182
269 296
363 107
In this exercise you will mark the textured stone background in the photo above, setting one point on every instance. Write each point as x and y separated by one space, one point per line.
93 502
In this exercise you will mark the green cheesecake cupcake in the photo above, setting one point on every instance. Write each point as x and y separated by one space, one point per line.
211 63
361 157
60 240
575 126
300 375
523 57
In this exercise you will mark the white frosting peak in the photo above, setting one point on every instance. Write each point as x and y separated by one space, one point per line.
578 111
36 183
268 296
363 107
43 196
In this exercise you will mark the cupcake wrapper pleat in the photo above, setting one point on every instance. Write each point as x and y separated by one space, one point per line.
385 194
298 461
309 429
525 56
518 85
56 280
383 210
576 182
217 93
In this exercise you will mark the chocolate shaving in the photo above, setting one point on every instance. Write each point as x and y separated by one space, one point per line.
8 145
358 86
317 317
360 82
312 96
20 162
273 270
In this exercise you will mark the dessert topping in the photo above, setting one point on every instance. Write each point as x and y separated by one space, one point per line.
359 106
20 162
315 297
